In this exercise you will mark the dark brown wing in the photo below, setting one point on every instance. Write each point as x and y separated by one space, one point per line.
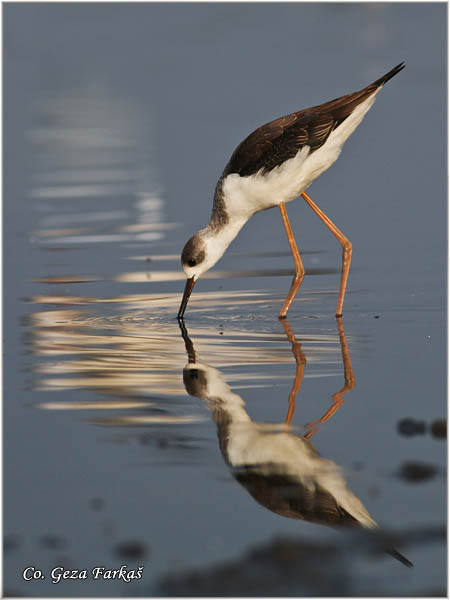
272 144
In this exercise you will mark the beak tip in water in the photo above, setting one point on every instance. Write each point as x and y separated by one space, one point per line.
187 292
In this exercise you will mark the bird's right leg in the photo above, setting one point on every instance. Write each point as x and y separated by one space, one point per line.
299 268
346 250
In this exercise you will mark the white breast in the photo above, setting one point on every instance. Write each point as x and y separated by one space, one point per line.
245 196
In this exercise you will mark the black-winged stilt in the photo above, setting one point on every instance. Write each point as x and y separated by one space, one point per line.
274 165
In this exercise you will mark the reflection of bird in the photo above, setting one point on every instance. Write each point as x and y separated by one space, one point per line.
272 166
281 470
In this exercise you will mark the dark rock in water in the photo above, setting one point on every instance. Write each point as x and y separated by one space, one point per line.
411 427
439 429
416 472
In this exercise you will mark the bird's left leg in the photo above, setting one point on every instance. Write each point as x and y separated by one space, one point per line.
346 251
299 268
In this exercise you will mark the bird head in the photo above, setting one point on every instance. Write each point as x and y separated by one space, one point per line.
193 257
200 253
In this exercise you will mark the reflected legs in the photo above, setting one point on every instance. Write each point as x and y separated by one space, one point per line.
300 361
349 384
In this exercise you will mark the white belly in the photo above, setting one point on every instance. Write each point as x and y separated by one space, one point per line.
245 196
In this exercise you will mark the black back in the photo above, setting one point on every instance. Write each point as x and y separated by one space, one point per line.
272 144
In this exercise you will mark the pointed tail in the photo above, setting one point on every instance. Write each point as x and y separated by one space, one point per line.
385 78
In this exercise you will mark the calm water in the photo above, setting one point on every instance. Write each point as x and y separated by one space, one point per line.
122 432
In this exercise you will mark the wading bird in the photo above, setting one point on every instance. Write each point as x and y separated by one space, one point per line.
274 165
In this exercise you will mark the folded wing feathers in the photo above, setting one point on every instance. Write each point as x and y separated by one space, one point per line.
319 130
272 144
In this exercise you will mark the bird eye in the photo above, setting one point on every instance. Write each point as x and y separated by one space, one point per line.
192 262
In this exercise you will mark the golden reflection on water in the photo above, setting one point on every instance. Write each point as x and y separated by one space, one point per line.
136 363
94 179
160 276
130 356
165 276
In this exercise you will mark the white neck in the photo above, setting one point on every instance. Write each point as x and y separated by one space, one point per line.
218 238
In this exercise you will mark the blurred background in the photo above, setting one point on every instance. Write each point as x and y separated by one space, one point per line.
118 120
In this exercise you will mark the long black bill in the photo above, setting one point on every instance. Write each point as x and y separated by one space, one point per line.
187 292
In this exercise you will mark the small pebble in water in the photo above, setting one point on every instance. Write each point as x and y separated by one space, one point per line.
439 429
410 427
417 472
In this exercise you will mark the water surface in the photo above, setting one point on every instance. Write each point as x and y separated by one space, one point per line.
113 453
